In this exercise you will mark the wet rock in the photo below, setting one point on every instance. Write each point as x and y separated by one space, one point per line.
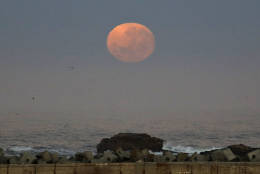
130 141
182 157
45 156
254 156
199 157
3 160
222 155
1 152
166 157
54 157
241 151
122 155
108 157
86 156
13 160
40 161
136 155
63 160
26 158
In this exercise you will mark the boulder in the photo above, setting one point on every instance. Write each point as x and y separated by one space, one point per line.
199 157
63 160
1 152
13 160
45 156
136 155
182 157
108 157
40 161
122 155
3 160
167 157
130 141
86 157
254 156
26 158
241 151
222 155
54 157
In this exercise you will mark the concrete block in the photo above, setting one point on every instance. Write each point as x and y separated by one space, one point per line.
222 155
26 158
182 157
254 156
199 157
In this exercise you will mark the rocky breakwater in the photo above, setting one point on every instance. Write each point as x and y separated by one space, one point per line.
133 148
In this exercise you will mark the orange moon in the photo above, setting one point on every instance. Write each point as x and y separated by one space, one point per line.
131 42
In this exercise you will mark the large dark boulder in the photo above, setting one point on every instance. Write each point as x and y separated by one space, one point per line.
130 141
241 151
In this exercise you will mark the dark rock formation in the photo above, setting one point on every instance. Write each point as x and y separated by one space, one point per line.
241 151
130 141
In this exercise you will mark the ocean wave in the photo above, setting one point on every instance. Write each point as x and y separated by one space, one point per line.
186 149
16 150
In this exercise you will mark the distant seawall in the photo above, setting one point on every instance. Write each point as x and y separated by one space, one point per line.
134 168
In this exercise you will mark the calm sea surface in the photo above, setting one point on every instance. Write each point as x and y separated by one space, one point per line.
69 133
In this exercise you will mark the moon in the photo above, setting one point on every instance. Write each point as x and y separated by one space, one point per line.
131 42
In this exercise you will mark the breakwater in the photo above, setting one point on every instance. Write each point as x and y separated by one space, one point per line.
134 168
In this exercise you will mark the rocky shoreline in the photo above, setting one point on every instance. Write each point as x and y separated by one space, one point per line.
129 147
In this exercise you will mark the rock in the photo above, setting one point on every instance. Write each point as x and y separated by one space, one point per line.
40 161
13 160
86 156
122 155
130 141
63 160
1 152
107 157
254 156
3 160
136 155
54 157
222 155
45 156
182 157
199 157
166 157
26 158
241 151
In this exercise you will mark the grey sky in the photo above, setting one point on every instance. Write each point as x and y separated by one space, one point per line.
207 56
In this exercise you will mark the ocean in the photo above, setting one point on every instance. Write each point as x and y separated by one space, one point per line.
70 133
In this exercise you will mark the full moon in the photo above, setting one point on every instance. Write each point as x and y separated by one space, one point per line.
131 42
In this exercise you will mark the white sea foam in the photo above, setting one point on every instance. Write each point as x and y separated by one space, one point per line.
186 149
19 148
14 150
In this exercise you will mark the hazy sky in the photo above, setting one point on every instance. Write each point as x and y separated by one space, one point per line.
207 56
